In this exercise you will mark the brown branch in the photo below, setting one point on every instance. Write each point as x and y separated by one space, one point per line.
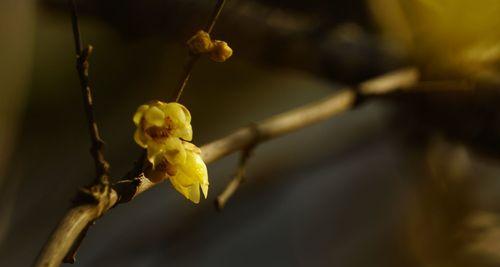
77 218
82 66
238 179
100 190
193 58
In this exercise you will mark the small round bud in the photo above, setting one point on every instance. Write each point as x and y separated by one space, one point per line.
200 43
220 51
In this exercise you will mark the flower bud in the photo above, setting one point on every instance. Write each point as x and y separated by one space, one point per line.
200 43
220 51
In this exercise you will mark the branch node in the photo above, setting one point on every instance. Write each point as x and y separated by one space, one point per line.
126 189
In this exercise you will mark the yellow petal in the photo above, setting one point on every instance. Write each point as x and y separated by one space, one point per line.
174 111
195 168
183 179
201 169
181 119
204 189
140 138
203 178
185 132
187 114
191 147
191 192
194 193
139 114
154 153
191 175
174 150
155 116
177 111
180 188
193 171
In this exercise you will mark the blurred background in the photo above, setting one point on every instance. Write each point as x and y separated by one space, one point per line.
407 180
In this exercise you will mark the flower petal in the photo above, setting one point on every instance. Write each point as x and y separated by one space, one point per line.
139 138
181 120
195 167
193 171
191 147
187 114
191 192
174 111
174 150
155 116
139 114
183 179
154 153
185 132
194 193
179 187
204 189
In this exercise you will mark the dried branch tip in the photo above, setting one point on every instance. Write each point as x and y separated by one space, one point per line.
237 180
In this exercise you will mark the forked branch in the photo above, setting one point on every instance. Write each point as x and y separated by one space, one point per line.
77 218
82 66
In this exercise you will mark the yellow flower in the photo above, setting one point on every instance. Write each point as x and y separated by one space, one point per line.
160 128
447 38
192 175
187 177
164 129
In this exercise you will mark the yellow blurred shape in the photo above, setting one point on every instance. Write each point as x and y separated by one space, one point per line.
445 37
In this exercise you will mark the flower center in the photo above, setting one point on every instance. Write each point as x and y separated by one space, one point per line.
157 132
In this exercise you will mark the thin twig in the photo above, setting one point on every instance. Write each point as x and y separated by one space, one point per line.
193 58
82 66
237 180
77 218
100 189
215 15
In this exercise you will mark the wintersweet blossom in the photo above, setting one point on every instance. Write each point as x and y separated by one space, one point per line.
164 130
160 128
192 175
187 178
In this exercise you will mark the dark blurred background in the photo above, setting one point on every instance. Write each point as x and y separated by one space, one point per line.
411 180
